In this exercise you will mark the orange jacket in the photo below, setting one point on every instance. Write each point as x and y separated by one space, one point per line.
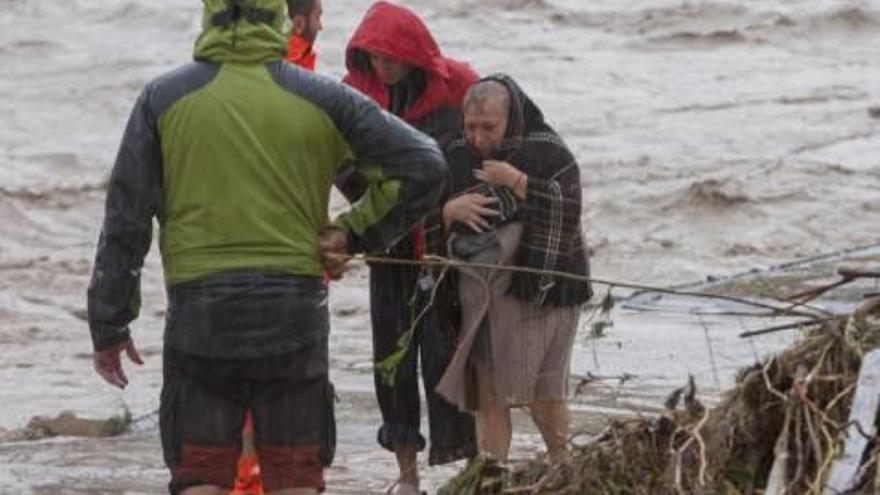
301 53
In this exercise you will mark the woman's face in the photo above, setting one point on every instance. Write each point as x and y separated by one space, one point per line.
389 71
485 124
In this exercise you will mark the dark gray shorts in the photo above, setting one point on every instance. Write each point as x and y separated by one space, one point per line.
202 413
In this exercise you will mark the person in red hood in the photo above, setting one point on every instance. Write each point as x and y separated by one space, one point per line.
306 18
393 59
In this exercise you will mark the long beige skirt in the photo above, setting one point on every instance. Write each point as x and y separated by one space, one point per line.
529 347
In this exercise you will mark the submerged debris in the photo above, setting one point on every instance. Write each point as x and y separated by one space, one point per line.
785 419
68 424
482 475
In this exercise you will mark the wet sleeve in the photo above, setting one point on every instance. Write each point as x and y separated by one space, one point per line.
561 193
551 215
443 125
555 194
380 196
350 182
404 171
133 196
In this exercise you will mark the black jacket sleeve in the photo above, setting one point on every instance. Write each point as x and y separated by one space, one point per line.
377 139
350 183
133 198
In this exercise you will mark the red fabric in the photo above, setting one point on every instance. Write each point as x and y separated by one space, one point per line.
418 237
396 32
207 464
291 467
301 53
248 481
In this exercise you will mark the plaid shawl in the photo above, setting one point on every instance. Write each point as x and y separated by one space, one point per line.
551 213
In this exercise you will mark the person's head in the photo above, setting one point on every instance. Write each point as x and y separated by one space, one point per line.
390 71
486 111
306 18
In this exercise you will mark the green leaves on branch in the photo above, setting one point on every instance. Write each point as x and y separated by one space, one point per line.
388 367
603 321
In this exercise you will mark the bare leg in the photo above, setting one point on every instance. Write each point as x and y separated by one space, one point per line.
409 471
552 419
494 429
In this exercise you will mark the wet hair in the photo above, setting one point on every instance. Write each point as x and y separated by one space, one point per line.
300 7
482 92
361 61
417 77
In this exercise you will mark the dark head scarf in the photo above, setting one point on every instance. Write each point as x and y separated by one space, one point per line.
552 237
524 117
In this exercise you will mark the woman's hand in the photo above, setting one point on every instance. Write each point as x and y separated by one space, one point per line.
470 209
503 174
498 173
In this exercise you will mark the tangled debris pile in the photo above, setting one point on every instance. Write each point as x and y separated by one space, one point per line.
780 428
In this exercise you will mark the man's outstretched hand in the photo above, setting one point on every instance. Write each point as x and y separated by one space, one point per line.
334 252
108 363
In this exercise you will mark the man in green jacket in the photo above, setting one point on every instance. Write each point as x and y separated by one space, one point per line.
235 155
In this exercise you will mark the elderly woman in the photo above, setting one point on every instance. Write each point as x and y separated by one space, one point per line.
516 201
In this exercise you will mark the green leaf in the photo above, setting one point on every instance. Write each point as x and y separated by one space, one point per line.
388 367
599 329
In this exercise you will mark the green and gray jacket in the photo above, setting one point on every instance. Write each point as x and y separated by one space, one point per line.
235 155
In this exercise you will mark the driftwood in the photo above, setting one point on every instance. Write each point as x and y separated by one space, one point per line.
861 427
68 424
847 275
800 325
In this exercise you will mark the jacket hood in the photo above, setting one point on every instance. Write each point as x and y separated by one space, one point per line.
396 32
243 31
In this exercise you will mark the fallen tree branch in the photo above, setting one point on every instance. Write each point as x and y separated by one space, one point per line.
439 261
846 276
789 326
